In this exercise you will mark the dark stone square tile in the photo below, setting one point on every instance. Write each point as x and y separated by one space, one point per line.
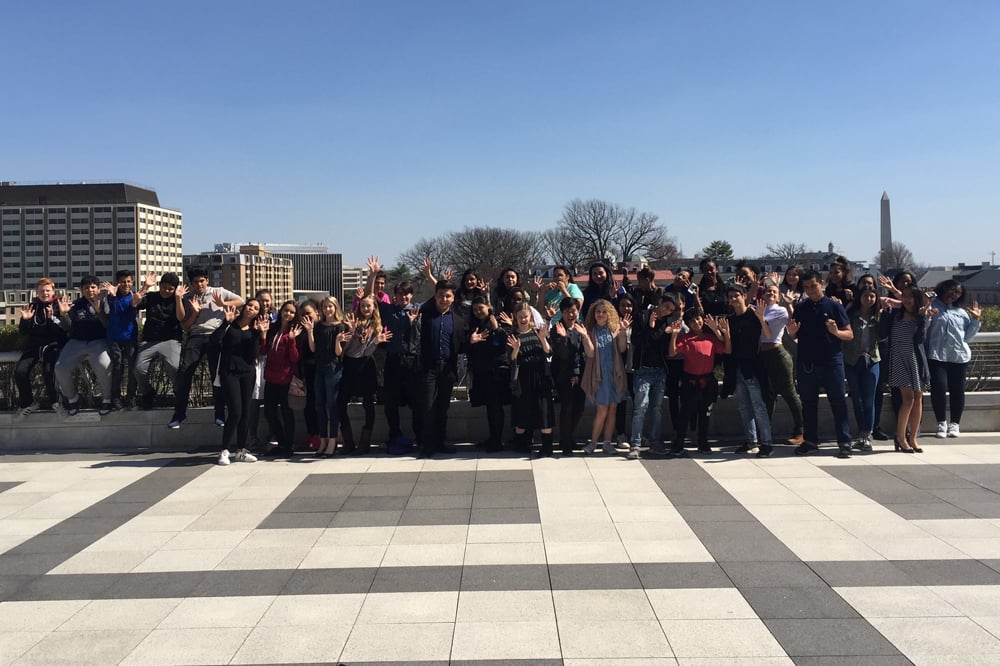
468 476
67 544
330 581
480 501
700 497
379 503
862 574
681 575
382 490
965 496
981 509
417 579
444 488
320 479
14 563
7 485
505 487
366 519
504 475
929 478
859 660
311 504
707 513
932 511
833 638
672 471
96 526
804 602
949 572
157 585
258 582
439 502
9 585
503 516
593 577
124 511
66 586
741 542
280 521
505 577
304 491
771 574
388 478
435 517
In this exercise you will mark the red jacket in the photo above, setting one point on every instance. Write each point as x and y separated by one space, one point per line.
282 358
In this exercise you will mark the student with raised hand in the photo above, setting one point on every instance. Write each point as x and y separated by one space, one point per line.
441 337
282 352
327 339
604 374
568 339
894 286
360 376
505 284
550 298
645 294
306 316
775 361
861 362
684 289
161 336
43 325
649 352
742 374
490 370
401 364
239 339
123 334
948 354
531 384
905 328
599 286
840 285
711 291
201 313
706 339
87 341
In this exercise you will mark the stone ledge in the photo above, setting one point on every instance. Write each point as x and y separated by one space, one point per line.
147 431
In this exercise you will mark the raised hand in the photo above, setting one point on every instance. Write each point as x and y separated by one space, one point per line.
360 293
448 274
506 319
550 311
383 336
412 314
182 291
108 287
307 323
711 322
542 331
722 325
294 331
674 327
514 342
975 311
849 294
774 277
28 311
344 336
262 323
427 270
64 305
626 321
229 312
373 265
560 329
792 326
150 280
477 336
536 282
481 285
885 282
350 320
218 300
580 328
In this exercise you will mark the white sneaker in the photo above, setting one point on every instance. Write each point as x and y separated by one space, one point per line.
633 453
942 430
590 447
609 449
24 411
224 457
245 456
953 430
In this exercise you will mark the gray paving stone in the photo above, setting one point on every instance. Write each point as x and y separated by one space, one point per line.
14 563
741 542
497 501
108 509
803 602
297 520
253 582
989 510
97 527
374 503
305 489
505 487
335 479
382 490
504 475
771 574
68 544
593 577
330 581
444 488
417 579
435 517
65 586
7 485
387 478
505 577
967 496
949 572
440 501
929 478
860 660
931 511
862 574
366 519
314 504
708 513
503 516
682 575
832 638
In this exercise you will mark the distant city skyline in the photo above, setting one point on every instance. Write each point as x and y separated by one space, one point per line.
365 127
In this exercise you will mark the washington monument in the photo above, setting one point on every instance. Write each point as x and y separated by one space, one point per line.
886 247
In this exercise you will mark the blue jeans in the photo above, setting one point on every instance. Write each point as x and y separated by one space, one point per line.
862 381
831 375
648 385
750 402
325 392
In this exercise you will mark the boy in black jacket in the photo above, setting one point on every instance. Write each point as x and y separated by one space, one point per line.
88 341
44 322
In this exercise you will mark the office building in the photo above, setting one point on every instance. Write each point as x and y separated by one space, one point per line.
317 270
247 270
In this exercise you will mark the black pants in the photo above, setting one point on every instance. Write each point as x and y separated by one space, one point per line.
280 417
237 388
399 389
197 347
309 413
950 378
675 371
48 355
122 354
436 385
571 401
698 394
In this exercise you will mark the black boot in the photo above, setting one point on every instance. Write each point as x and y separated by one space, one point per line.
365 442
546 449
348 438
521 442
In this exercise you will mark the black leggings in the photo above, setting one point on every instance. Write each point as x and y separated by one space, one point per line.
948 377
237 389
280 417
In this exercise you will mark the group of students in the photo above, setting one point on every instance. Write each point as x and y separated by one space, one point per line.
608 345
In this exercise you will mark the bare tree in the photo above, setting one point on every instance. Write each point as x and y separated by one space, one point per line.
898 256
596 229
663 248
425 248
788 252
561 248
489 250
636 231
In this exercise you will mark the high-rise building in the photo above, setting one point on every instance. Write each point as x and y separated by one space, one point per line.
316 268
65 232
246 271
353 278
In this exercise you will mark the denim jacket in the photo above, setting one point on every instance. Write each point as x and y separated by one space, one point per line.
949 333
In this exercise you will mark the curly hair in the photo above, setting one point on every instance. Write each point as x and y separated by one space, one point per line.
614 321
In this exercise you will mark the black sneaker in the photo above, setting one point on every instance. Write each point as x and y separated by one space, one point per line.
677 452
805 448
845 451
879 435
72 408
765 451
746 448
105 408
704 448
658 449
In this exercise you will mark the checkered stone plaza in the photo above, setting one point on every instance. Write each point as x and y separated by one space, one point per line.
171 559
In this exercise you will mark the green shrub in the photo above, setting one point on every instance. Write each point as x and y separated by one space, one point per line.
991 318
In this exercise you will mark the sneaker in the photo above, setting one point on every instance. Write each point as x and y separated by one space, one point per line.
942 430
117 404
224 457
798 439
73 408
33 407
704 448
175 423
658 448
879 435
60 410
805 448
105 408
220 422
953 430
633 453
244 456
864 443
609 449
677 452
590 447
765 451
747 448
844 451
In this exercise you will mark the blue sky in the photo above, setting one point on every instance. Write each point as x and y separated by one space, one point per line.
366 125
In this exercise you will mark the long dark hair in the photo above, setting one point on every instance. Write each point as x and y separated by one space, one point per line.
855 304
606 290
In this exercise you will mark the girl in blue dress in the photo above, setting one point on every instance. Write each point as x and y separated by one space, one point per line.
604 380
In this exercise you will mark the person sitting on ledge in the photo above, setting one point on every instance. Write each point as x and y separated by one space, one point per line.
44 322
87 341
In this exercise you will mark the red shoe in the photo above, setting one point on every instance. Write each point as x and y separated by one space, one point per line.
314 442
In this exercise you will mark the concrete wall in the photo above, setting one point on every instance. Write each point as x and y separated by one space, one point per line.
147 431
